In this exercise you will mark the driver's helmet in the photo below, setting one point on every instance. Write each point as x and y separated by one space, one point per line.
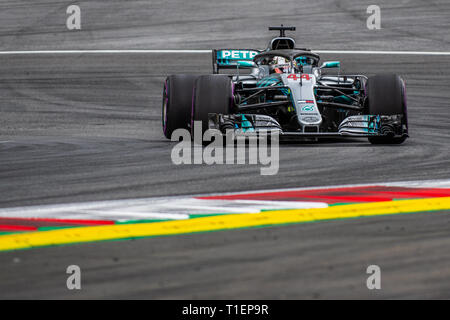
279 65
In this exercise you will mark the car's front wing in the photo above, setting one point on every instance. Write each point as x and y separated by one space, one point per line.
353 126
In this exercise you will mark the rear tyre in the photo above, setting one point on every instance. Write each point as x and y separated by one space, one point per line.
386 96
212 94
177 103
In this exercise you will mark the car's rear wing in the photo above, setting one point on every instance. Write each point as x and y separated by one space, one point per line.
233 59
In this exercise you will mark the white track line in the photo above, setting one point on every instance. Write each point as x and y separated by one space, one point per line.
439 183
181 207
124 215
283 204
119 51
211 208
169 208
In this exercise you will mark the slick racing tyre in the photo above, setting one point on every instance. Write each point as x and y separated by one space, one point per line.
177 103
212 94
387 96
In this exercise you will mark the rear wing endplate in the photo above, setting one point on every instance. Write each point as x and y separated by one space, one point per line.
233 58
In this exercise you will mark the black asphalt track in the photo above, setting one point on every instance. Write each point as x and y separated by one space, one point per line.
83 127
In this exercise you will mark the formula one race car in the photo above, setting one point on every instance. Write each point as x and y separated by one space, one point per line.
284 90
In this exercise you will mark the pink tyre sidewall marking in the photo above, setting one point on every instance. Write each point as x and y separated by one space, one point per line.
165 104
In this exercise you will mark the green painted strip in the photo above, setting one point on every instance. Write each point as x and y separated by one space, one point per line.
9 232
194 216
48 228
268 210
141 221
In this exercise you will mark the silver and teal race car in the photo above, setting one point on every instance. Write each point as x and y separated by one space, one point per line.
284 88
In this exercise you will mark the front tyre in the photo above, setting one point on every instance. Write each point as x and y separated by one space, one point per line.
387 96
212 94
177 103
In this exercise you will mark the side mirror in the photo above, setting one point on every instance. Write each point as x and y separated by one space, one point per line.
246 64
330 64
